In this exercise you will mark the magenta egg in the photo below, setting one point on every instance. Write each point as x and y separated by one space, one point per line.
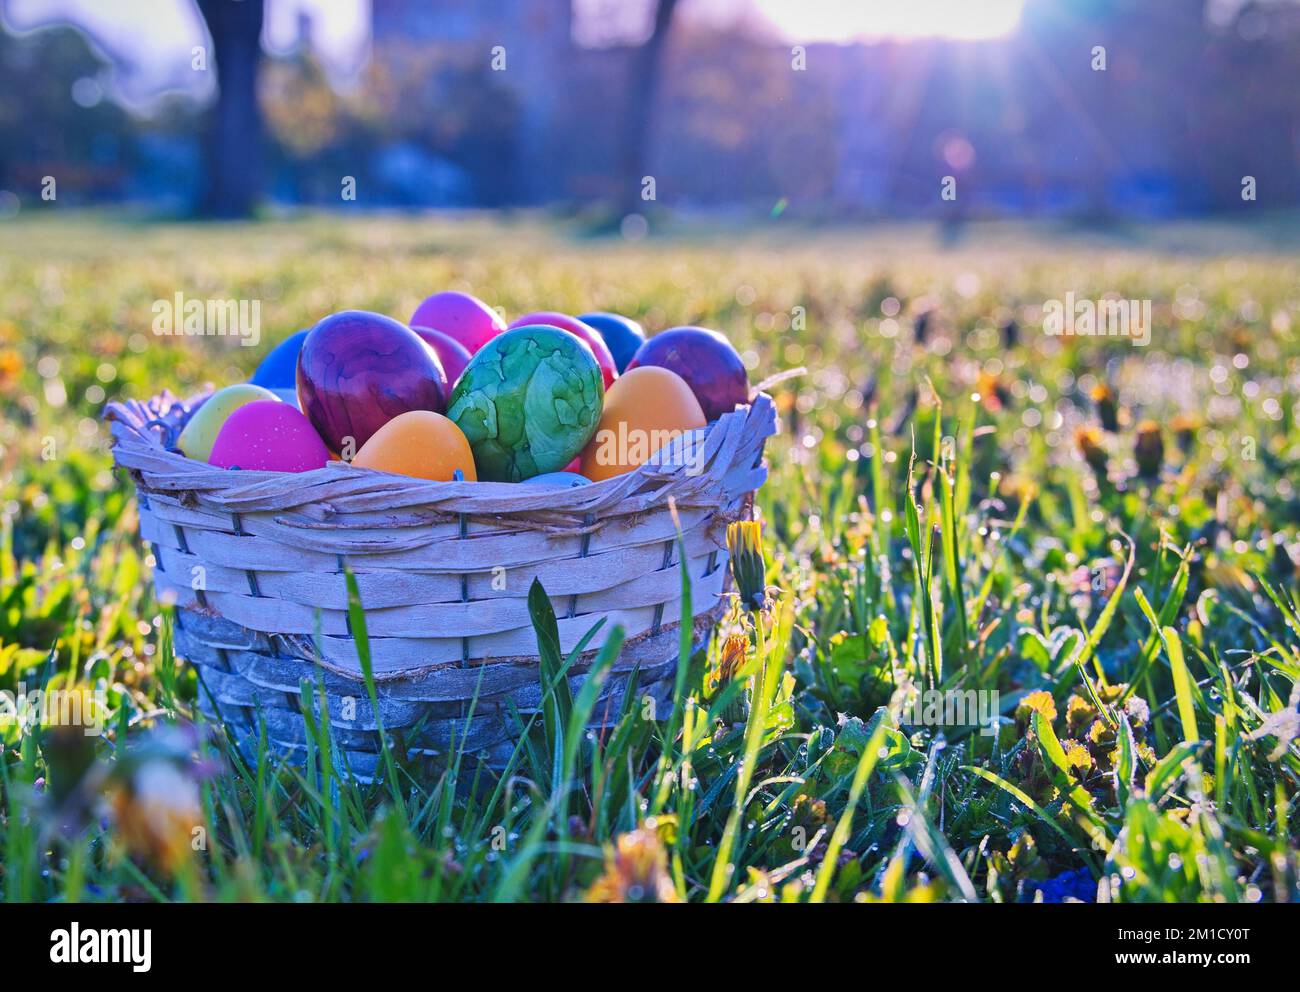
462 317
453 355
268 436
359 370
706 360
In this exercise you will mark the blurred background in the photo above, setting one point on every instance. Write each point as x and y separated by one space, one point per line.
224 108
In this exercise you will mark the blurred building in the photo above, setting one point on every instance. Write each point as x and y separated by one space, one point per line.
532 39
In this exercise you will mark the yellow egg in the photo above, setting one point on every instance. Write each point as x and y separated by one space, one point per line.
645 409
421 444
205 424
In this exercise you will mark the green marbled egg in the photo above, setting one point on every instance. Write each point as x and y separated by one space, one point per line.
528 402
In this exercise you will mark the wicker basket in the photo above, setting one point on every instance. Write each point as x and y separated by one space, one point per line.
253 562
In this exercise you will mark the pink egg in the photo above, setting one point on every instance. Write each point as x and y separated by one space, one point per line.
268 437
464 318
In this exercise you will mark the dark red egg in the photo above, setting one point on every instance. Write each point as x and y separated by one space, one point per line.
453 355
706 360
359 370
584 332
465 318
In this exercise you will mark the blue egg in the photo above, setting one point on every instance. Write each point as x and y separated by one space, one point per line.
563 480
622 336
289 396
279 369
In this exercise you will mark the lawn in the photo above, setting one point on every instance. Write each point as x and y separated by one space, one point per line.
1095 541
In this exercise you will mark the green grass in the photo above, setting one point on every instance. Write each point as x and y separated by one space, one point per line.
1140 631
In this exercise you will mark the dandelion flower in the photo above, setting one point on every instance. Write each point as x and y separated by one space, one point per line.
636 870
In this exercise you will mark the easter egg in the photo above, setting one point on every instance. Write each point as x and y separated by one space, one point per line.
279 369
563 480
359 370
268 436
706 360
451 353
289 396
622 336
205 423
421 444
528 402
587 334
460 316
646 409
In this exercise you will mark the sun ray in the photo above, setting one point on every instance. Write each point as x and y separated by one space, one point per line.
834 20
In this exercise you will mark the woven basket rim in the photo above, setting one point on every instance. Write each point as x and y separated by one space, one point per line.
149 428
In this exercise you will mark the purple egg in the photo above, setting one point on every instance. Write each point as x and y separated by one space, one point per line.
359 370
706 360
453 355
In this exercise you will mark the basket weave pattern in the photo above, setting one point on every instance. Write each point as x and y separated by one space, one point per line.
254 564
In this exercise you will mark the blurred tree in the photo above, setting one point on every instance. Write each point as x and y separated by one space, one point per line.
64 125
642 82
443 100
233 138
425 124
301 108
739 131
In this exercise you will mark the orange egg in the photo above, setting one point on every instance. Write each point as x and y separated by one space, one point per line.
421 444
645 409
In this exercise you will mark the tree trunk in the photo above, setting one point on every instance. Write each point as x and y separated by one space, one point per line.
643 80
232 142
